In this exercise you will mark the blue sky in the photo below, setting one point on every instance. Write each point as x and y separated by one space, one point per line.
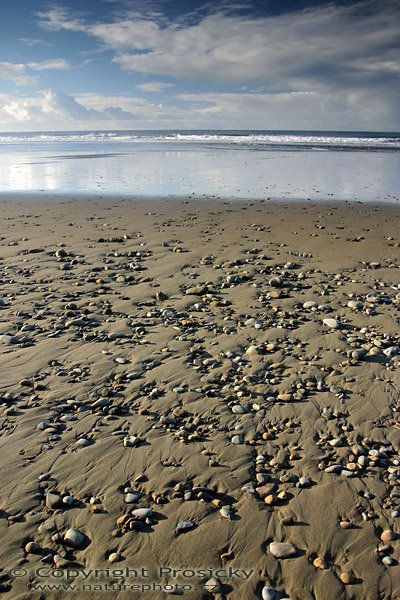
165 64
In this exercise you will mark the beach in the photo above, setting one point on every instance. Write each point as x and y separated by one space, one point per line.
199 395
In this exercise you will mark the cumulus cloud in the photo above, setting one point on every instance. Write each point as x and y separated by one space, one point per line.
52 106
249 110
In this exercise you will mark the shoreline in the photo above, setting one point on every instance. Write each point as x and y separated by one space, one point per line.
76 197
228 368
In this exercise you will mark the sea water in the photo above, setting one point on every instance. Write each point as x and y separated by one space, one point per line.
299 165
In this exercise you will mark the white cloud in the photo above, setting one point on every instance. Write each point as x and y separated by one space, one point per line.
15 73
337 52
51 64
154 86
248 110
320 46
53 107
34 42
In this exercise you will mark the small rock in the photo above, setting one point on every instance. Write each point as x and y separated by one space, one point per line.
346 525
237 439
131 498
32 548
142 513
68 500
269 593
282 549
285 397
75 538
213 586
320 563
197 290
331 323
254 350
185 525
347 577
82 443
53 500
388 535
114 557
226 512
303 482
310 304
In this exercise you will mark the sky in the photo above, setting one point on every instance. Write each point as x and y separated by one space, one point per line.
188 64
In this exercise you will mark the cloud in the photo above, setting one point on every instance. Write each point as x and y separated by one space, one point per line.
16 73
350 44
154 86
212 110
52 106
291 110
34 42
51 64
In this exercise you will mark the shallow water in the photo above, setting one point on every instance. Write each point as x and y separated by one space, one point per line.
179 168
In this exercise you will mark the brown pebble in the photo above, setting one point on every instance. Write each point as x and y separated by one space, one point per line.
388 535
320 563
271 499
347 577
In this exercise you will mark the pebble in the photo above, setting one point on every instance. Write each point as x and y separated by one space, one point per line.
303 482
142 513
310 304
53 500
197 290
282 549
130 441
114 557
331 323
237 439
213 586
68 500
388 535
346 524
32 548
131 498
355 304
185 525
320 563
254 350
226 512
389 561
238 409
269 593
75 538
285 397
347 577
83 443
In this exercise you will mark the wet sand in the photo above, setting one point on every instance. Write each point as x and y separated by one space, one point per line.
209 388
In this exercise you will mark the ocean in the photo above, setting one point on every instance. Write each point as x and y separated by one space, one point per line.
296 165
